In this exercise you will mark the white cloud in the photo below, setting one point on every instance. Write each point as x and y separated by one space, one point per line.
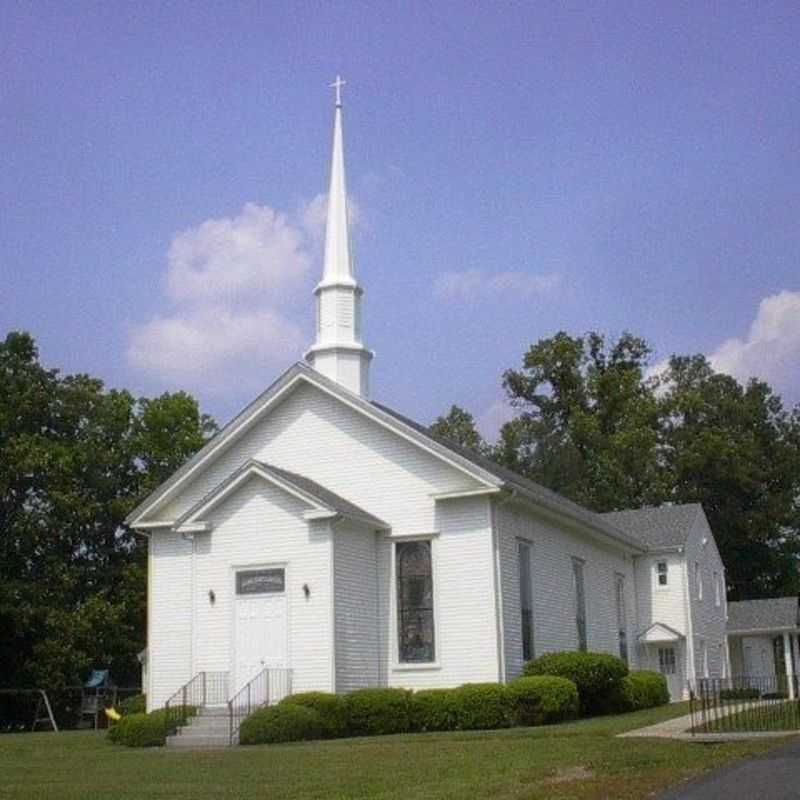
314 215
259 249
771 349
230 282
490 422
472 284
214 346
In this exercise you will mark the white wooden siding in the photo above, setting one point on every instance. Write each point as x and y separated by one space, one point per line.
170 607
553 591
356 607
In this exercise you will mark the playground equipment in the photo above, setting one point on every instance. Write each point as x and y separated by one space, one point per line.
98 693
42 704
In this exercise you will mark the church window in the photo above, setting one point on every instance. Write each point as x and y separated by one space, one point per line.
661 571
580 602
526 598
415 623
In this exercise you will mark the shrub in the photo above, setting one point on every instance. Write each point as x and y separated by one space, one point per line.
374 712
543 699
433 710
140 730
330 707
135 704
281 723
739 694
644 689
479 706
598 676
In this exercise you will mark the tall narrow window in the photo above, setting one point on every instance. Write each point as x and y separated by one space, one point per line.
415 634
526 598
580 602
717 593
698 579
622 623
661 572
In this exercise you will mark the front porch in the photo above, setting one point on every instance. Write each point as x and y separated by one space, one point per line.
663 649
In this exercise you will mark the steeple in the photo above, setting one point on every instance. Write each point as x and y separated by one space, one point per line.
338 351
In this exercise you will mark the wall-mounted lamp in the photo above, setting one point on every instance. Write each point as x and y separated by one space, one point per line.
306 591
211 596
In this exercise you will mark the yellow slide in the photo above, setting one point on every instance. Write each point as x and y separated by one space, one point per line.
113 714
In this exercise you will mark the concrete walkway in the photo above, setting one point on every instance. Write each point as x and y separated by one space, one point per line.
772 776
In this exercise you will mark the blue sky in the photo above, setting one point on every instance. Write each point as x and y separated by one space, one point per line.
517 169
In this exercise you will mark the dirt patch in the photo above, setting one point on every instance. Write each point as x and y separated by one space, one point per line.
569 774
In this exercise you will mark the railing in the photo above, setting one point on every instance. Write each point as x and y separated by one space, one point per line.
750 703
268 687
205 689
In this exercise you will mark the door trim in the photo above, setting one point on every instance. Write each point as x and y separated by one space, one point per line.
284 565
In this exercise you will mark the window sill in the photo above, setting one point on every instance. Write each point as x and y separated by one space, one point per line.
421 667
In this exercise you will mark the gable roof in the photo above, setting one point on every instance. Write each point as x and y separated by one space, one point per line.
311 492
660 632
491 475
658 526
763 615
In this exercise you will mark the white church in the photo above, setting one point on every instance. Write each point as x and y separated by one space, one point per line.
324 541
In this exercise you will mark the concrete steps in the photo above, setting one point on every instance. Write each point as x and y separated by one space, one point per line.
209 729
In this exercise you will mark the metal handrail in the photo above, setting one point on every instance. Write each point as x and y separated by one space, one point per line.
203 689
269 686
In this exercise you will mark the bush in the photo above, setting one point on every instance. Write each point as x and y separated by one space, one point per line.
480 706
433 710
146 730
135 704
374 712
598 677
543 699
140 730
281 723
330 707
644 689
739 694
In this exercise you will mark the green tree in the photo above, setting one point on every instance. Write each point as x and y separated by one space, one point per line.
74 460
736 450
588 422
458 426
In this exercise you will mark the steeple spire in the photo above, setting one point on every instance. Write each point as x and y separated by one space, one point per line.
338 351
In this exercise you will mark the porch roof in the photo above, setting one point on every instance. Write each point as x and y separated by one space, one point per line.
659 632
773 614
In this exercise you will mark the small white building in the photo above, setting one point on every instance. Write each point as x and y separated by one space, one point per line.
763 642
324 533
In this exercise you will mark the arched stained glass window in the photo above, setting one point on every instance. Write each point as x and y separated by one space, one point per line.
415 632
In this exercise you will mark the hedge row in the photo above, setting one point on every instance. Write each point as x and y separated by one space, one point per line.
375 712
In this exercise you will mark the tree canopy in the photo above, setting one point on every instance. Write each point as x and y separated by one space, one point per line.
592 424
75 458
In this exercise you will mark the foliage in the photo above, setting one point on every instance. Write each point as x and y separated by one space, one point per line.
282 723
136 704
140 730
739 694
75 458
458 427
644 689
374 712
433 710
543 700
598 676
479 706
330 707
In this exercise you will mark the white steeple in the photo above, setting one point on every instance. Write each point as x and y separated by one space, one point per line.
338 351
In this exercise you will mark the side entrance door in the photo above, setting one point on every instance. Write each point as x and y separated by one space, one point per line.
261 625
670 665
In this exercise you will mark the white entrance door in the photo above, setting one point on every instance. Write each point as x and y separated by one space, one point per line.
261 624
669 663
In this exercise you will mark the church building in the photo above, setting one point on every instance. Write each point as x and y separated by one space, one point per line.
324 541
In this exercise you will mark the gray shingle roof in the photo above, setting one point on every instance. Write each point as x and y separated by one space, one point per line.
763 615
657 526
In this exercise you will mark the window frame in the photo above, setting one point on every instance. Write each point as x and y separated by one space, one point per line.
717 593
659 574
530 628
622 618
396 665
698 579
578 567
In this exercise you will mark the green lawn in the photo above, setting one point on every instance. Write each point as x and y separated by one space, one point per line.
578 760
754 716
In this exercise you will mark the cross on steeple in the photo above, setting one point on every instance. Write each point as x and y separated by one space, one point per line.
337 84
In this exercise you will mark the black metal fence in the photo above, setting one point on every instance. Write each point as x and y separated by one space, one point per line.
743 704
267 688
205 689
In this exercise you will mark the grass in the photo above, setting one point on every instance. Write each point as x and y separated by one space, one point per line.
576 761
755 716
